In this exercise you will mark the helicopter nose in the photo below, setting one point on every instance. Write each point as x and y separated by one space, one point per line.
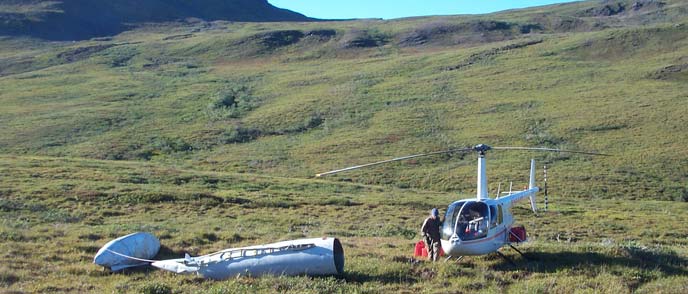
451 246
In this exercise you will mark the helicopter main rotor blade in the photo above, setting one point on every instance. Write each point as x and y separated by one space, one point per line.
393 160
548 149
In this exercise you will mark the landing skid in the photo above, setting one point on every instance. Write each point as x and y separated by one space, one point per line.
509 259
519 251
450 257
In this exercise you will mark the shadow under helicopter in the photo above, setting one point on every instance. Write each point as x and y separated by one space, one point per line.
668 263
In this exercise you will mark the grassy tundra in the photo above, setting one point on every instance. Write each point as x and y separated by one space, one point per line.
58 212
208 135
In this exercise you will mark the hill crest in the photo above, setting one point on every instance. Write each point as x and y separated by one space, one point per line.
84 19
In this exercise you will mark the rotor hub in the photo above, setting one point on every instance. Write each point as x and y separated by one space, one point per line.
482 148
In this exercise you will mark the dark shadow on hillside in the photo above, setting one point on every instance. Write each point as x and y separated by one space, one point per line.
75 20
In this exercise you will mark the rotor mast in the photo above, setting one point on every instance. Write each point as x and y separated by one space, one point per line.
482 175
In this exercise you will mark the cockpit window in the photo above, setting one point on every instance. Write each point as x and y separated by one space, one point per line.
493 216
450 219
469 220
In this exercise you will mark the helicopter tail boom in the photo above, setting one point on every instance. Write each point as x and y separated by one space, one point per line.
530 192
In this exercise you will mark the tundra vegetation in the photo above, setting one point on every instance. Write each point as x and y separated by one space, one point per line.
208 134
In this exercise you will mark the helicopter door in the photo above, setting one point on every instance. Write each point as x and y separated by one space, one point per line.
450 218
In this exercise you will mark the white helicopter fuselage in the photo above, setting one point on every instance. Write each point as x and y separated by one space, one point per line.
486 235
477 226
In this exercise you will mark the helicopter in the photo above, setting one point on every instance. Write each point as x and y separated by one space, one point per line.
480 225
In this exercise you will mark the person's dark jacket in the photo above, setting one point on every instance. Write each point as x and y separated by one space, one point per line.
431 228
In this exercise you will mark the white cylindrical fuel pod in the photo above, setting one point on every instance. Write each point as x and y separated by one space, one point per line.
319 256
117 254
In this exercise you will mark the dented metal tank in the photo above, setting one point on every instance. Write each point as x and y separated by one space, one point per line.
319 256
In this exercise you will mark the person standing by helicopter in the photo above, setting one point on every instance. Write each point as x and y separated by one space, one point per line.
431 234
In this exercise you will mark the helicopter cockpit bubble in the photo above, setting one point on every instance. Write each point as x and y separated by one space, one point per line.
468 220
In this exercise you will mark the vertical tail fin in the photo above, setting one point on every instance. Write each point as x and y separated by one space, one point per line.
531 184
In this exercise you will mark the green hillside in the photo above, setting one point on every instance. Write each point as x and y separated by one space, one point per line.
296 99
209 133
